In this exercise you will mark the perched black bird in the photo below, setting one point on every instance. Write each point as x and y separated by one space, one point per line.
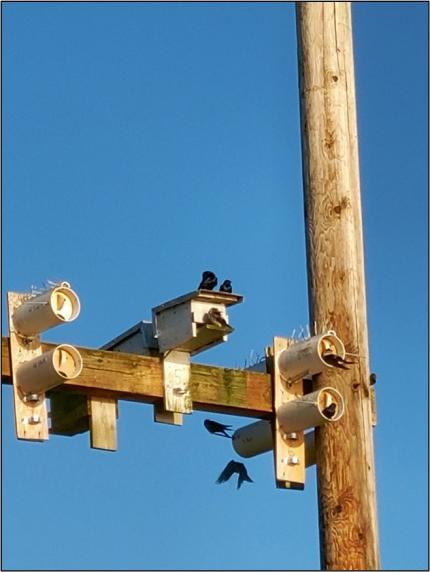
226 287
231 468
330 410
372 378
215 318
217 428
209 281
336 360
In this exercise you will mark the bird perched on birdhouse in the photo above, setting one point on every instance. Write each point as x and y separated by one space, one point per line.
208 282
226 287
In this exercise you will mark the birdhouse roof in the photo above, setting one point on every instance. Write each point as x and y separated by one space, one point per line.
202 296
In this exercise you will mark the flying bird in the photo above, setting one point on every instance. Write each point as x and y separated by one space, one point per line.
209 281
215 318
231 468
330 410
217 428
372 378
226 287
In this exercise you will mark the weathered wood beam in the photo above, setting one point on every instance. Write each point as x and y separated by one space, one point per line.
132 377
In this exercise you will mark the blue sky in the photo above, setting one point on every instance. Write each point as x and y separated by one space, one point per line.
142 144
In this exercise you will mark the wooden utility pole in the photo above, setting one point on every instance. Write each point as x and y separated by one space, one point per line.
345 459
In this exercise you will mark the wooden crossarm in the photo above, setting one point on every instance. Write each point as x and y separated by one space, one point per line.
133 377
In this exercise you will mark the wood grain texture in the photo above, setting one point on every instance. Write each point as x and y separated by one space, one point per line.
103 413
345 458
133 377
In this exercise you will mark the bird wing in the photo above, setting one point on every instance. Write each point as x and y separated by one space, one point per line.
227 472
215 426
223 329
335 360
330 410
220 426
243 476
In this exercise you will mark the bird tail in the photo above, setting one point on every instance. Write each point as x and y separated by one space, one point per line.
240 480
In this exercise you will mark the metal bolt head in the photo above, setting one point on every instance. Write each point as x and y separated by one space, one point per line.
31 398
293 460
179 390
34 419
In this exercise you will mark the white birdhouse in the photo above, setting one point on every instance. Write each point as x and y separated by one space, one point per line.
193 322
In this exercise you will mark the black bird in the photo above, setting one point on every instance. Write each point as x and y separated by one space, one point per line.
231 468
226 287
209 281
336 360
217 428
372 378
330 410
215 318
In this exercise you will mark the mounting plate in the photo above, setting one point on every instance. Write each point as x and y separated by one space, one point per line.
289 449
31 417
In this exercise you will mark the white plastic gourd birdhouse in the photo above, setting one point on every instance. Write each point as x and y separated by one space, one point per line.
309 357
34 369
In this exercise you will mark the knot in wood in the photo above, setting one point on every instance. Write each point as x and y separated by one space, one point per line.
330 138
344 204
337 509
